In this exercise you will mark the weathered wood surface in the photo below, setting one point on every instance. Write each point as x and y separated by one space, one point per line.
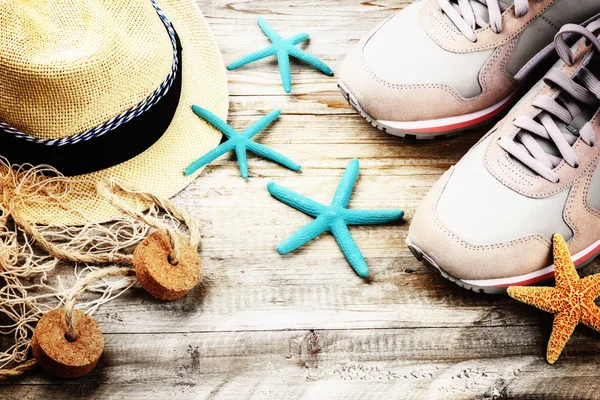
304 325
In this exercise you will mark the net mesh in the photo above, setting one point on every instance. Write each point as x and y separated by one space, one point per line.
33 257
46 218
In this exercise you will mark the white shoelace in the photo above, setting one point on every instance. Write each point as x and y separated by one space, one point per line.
461 13
583 89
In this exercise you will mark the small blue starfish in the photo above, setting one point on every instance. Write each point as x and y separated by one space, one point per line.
333 218
283 48
241 142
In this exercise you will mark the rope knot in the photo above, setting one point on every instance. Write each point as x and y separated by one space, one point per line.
175 254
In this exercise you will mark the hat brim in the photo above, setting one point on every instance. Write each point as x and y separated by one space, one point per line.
160 169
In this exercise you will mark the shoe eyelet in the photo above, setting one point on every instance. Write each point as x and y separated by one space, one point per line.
576 166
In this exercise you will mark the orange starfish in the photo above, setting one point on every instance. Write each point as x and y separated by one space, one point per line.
572 300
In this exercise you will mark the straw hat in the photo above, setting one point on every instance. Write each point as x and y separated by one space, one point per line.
103 89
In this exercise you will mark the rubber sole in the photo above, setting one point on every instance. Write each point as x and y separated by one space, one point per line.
427 130
499 286
429 263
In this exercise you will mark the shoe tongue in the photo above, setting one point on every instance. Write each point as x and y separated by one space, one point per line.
480 10
570 131
504 4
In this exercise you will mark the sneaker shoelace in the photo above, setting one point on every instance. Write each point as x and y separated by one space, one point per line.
583 90
462 14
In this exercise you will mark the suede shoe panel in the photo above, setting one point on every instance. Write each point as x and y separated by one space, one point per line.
467 261
401 53
388 101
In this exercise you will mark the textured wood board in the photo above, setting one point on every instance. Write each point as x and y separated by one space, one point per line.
303 325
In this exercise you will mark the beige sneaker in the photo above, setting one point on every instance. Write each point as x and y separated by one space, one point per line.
488 222
442 66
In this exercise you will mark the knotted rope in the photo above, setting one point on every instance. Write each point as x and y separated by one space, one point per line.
90 244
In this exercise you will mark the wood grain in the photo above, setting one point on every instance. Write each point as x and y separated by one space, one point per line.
424 363
304 325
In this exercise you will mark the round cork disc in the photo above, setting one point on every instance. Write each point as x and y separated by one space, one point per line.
63 358
157 275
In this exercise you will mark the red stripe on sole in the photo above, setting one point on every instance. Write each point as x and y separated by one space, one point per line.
577 262
465 124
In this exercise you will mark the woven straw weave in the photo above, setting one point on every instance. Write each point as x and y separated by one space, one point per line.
70 65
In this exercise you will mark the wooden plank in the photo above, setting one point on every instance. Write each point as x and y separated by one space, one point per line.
449 363
303 325
333 28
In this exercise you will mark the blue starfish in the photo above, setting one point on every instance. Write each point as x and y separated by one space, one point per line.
283 48
241 142
333 218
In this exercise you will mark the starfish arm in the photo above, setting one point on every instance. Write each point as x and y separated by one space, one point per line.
371 217
255 56
564 269
349 248
591 316
303 235
261 124
268 29
310 59
540 297
562 329
344 189
271 154
299 38
215 121
283 59
295 200
592 285
209 157
240 152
